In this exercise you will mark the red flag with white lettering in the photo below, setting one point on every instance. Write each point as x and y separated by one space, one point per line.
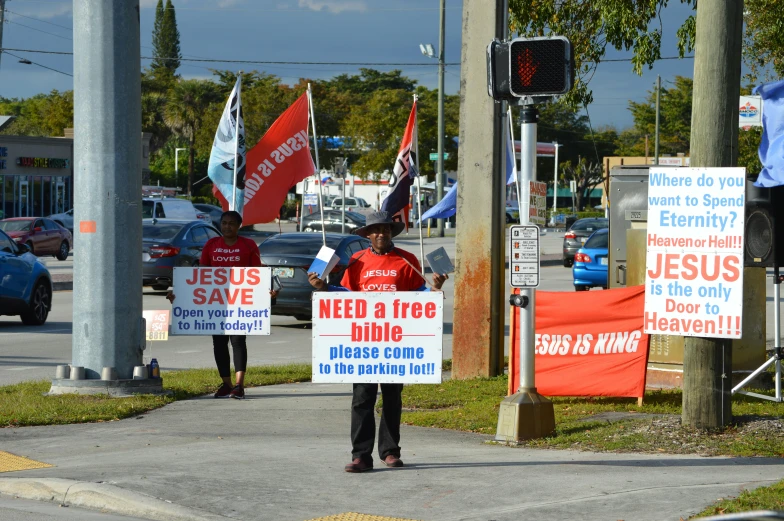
276 164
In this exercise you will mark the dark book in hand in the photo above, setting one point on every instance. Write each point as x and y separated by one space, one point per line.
439 262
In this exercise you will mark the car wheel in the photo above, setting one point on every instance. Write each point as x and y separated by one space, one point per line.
568 263
309 229
30 245
303 317
62 253
581 288
39 306
160 287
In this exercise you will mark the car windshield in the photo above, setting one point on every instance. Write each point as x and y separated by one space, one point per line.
160 232
597 241
14 226
296 244
589 224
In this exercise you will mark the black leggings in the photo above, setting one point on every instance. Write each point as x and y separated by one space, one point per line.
220 347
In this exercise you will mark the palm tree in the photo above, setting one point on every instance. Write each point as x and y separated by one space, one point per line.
188 101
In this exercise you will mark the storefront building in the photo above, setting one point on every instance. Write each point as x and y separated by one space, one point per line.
36 176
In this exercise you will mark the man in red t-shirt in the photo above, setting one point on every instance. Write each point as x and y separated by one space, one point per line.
230 251
382 267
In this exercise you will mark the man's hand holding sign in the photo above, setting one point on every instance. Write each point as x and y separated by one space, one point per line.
381 335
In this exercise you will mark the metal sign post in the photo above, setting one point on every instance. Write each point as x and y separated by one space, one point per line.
525 414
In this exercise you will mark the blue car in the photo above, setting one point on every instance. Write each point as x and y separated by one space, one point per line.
25 283
590 262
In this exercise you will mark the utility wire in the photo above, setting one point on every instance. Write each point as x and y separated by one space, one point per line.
39 30
34 63
39 20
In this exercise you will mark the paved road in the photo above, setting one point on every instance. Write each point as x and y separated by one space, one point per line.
28 353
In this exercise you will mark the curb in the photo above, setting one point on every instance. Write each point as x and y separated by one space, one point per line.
63 285
102 497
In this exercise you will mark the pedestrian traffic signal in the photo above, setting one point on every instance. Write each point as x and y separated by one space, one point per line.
529 67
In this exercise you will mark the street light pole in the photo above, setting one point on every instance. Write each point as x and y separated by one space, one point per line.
177 166
555 182
440 173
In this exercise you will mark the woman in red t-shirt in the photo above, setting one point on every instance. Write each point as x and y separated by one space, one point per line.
230 251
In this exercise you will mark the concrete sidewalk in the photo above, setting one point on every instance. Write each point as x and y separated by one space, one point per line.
279 455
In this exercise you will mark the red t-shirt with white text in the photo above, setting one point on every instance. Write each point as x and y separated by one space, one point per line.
242 254
369 271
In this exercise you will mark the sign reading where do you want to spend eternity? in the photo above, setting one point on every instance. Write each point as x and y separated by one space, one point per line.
694 263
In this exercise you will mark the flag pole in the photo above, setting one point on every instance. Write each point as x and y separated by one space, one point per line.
233 204
317 174
419 187
514 158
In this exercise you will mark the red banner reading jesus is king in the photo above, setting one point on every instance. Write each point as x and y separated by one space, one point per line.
587 343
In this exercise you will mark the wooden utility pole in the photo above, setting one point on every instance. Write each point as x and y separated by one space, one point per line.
480 307
707 362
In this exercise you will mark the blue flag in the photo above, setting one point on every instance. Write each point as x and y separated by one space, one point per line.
771 150
447 207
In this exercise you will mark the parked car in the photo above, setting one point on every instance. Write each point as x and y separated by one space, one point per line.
352 203
214 211
576 235
167 243
172 208
291 254
590 262
42 236
25 283
64 219
332 221
512 212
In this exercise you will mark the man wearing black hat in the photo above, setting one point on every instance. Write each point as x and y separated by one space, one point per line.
382 267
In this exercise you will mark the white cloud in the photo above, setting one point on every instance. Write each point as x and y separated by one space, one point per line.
334 6
47 11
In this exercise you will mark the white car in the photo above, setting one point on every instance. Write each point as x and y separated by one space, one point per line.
172 208
64 219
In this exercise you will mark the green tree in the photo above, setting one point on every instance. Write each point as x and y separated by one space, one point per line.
674 121
763 41
592 26
40 115
165 40
187 102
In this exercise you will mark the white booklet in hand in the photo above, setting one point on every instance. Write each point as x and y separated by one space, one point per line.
324 262
439 262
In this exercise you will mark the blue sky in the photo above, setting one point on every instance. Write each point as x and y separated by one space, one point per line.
370 31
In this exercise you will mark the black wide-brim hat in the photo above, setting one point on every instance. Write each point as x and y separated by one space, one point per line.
380 218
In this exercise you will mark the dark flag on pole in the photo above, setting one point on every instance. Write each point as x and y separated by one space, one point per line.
404 171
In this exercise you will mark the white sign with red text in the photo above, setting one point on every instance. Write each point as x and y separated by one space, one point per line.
694 264
221 301
378 337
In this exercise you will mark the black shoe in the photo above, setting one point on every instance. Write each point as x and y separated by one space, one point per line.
238 392
223 392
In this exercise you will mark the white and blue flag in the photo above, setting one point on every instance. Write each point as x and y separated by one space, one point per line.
228 151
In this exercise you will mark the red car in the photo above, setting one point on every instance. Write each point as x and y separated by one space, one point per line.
42 236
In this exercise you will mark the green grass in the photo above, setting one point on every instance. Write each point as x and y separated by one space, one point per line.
762 498
468 405
25 404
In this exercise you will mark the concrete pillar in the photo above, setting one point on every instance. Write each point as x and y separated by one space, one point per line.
107 305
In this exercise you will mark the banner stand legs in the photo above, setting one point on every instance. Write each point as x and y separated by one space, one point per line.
778 352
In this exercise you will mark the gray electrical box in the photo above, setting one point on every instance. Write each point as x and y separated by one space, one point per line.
628 210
